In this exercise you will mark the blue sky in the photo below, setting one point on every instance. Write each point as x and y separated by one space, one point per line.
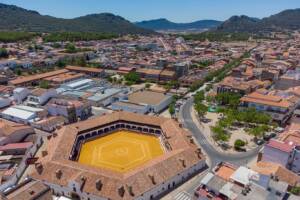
175 10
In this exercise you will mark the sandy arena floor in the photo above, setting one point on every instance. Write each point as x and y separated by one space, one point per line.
121 151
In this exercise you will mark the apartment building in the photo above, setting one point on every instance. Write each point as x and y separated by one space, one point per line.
279 106
240 85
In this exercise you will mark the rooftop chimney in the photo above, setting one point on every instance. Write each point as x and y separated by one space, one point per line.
192 141
82 182
152 179
99 184
130 190
58 173
182 162
39 167
121 191
44 153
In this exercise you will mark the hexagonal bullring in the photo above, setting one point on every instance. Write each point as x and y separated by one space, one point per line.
120 151
119 156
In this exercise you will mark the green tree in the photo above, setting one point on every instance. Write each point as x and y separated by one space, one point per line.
56 45
110 79
259 131
238 144
210 99
77 36
295 190
220 134
148 85
61 63
172 109
228 98
44 84
70 48
18 71
80 61
172 85
226 122
132 78
14 36
3 53
199 97
201 109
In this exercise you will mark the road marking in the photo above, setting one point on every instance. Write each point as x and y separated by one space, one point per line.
182 196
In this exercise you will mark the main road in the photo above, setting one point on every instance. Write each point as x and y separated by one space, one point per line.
213 155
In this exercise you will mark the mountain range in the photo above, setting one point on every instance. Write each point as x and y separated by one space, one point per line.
285 20
19 19
13 18
164 24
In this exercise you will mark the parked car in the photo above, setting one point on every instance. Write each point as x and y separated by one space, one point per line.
259 142
269 135
205 120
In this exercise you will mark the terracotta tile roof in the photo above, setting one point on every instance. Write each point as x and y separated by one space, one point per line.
271 100
167 73
7 128
268 168
13 146
286 147
84 69
30 190
25 79
241 84
149 71
38 91
139 179
291 134
60 78
225 171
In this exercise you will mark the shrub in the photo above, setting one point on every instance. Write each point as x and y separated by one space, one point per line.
295 190
238 144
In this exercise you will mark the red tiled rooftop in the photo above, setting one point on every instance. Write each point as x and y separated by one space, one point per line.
12 146
286 147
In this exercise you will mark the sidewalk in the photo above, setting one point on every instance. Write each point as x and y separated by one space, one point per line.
205 129
188 187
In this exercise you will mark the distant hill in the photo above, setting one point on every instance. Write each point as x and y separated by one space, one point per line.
13 18
239 24
164 24
285 20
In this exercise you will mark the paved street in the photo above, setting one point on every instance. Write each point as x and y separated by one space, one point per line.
213 155
183 196
186 191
